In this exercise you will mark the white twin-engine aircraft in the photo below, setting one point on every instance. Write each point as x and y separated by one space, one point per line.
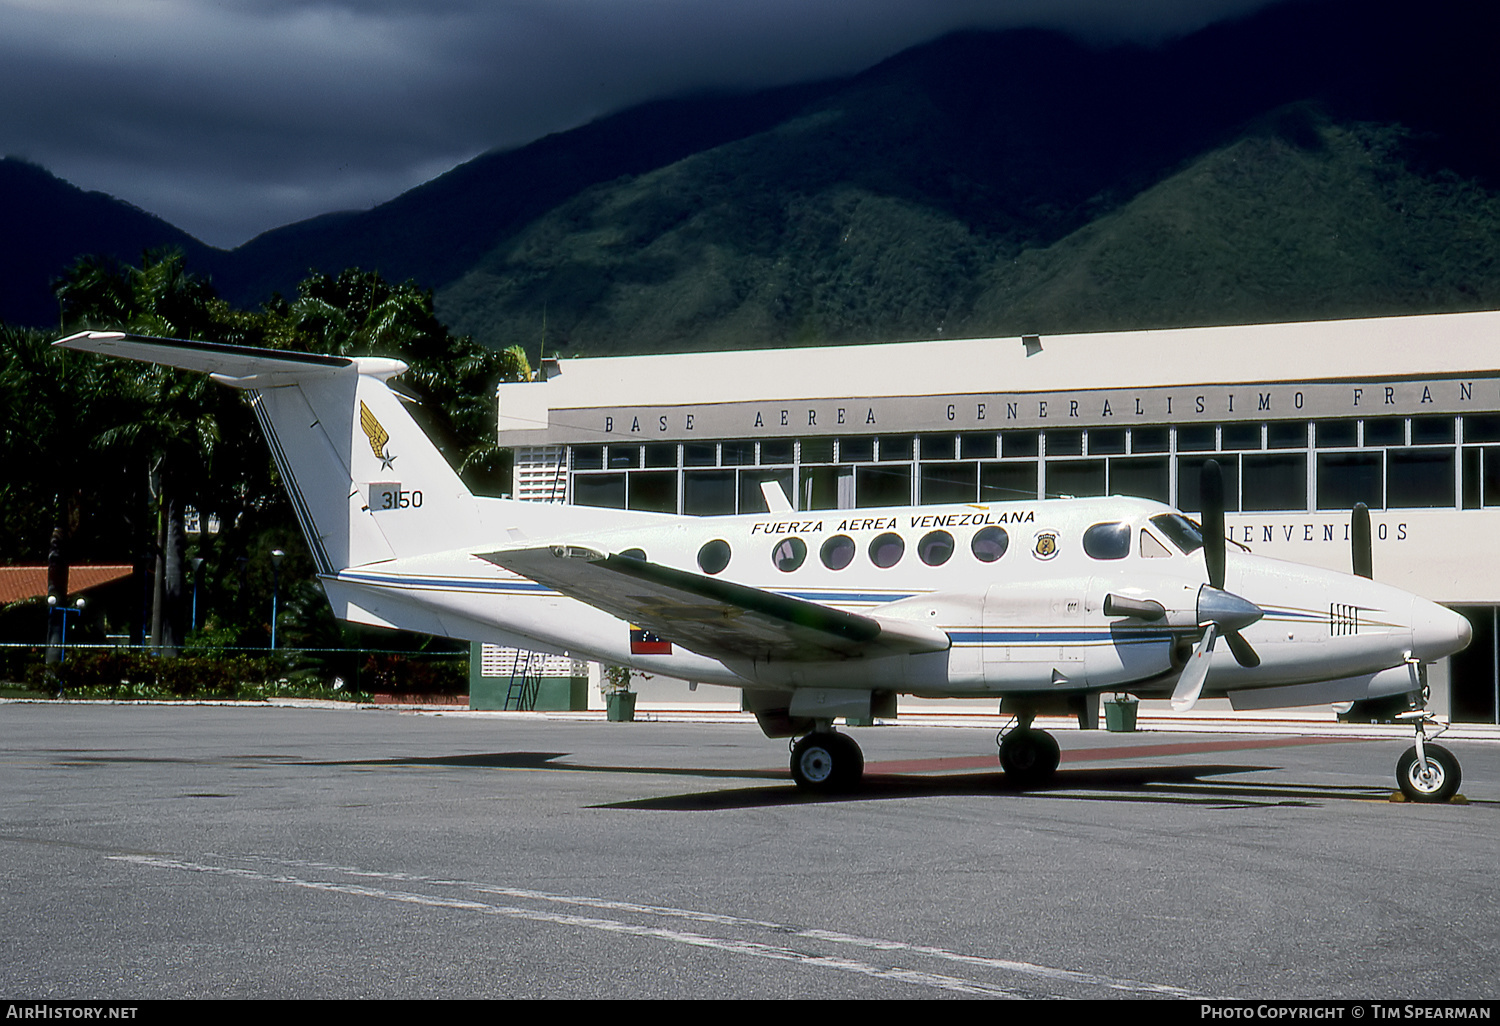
829 613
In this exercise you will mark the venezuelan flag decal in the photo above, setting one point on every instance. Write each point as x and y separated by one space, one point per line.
643 642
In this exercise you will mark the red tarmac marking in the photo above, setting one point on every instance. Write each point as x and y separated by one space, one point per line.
973 762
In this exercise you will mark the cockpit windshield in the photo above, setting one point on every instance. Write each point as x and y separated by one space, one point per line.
1180 530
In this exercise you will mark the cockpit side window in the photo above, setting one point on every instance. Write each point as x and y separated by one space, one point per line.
1180 531
1107 541
1151 548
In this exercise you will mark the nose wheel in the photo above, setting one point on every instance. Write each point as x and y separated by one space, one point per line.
827 762
1427 772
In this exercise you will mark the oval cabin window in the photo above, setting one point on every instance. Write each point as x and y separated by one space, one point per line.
935 548
837 552
714 556
989 544
789 554
886 550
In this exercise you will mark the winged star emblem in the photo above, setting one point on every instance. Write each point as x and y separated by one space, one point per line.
377 435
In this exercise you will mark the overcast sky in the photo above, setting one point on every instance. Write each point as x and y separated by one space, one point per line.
231 117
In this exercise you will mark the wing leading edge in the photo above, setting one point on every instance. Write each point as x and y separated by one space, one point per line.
713 617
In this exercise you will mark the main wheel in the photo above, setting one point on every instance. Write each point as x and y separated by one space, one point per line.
827 762
1437 784
1029 757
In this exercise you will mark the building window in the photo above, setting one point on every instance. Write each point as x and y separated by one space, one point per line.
882 486
1146 477
1064 443
1007 482
588 457
1385 432
1150 439
1273 482
1019 443
1106 441
698 454
1190 479
606 490
707 493
856 450
1420 478
1336 434
976 447
899 448
948 483
776 452
1346 478
1075 478
738 453
653 491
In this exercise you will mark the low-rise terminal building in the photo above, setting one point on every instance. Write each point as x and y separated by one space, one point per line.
1306 419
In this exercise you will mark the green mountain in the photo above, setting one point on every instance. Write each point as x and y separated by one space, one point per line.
1285 167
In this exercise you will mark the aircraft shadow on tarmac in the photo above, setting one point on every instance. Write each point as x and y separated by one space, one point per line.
1174 784
1171 785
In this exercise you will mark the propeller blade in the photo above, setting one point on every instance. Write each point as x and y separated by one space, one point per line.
1359 536
1190 684
1240 648
1211 488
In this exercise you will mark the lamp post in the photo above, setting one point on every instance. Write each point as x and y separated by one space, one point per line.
63 611
276 555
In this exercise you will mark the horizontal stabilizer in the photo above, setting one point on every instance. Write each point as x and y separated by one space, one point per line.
713 617
239 366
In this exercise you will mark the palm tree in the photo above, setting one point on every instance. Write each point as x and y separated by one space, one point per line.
165 424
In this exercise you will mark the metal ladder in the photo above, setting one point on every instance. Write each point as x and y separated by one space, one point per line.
525 681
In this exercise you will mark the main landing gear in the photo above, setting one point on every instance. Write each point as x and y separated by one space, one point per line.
827 762
1427 772
1028 757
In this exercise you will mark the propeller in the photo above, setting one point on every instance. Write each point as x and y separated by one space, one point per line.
1219 612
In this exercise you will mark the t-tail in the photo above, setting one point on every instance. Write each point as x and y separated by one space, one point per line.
367 484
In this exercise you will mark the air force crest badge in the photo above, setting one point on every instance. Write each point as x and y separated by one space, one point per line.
377 436
1045 546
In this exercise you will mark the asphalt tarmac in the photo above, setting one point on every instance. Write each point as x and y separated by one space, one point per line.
221 852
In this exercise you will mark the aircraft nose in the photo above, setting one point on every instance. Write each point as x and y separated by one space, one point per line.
1437 631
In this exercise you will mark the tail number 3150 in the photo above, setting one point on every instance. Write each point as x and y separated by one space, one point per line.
393 496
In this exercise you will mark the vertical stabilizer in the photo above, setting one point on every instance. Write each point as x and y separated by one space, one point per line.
366 483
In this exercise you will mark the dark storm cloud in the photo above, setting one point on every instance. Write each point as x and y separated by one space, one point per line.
229 117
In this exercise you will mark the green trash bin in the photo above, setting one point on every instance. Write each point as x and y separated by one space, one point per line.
1119 714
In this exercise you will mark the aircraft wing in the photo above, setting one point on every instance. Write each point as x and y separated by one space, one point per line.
713 617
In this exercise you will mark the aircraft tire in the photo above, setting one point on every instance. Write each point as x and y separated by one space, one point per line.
1437 785
1029 757
827 762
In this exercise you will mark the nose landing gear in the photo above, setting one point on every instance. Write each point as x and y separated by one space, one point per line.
1427 772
